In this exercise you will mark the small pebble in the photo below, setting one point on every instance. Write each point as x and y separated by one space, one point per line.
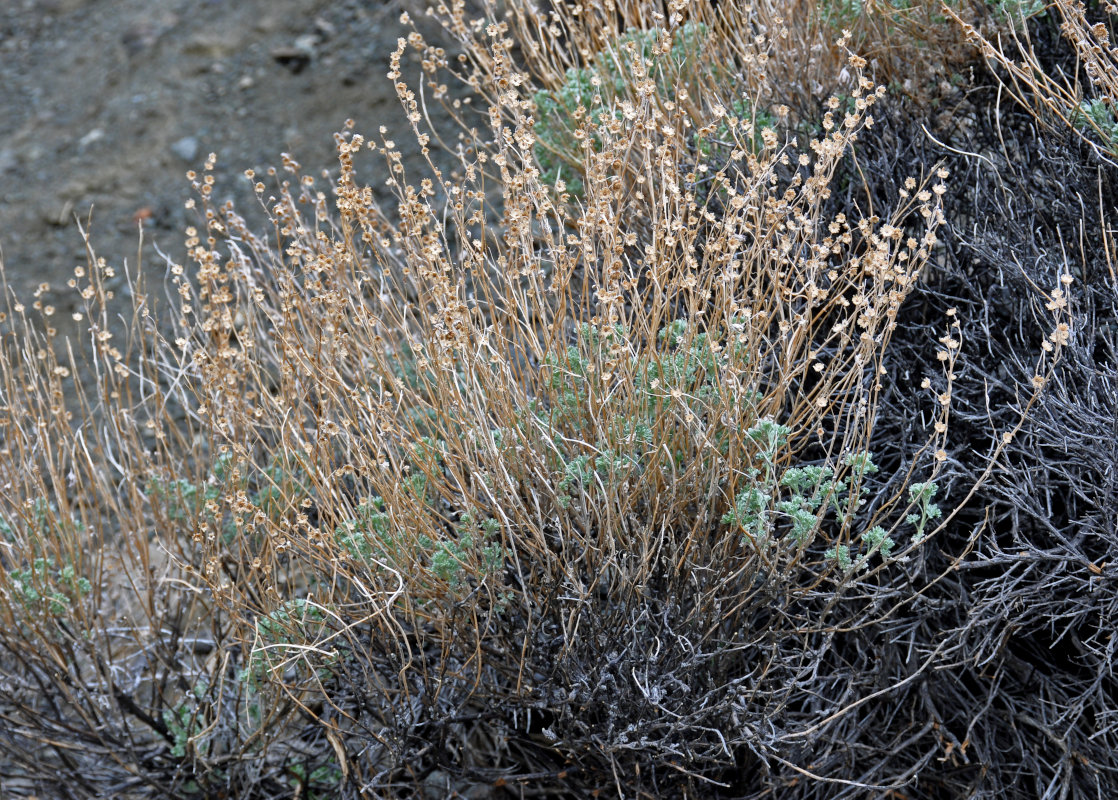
185 148
93 136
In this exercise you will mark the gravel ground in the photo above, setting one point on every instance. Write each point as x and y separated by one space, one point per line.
105 105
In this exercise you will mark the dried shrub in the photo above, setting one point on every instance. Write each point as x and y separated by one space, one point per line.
1020 705
1078 94
515 489
113 664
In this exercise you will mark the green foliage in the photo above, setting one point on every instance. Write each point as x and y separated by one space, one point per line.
280 485
275 489
922 494
586 98
181 498
46 584
367 535
813 491
841 554
557 147
877 539
184 723
320 784
686 370
293 615
476 542
750 510
678 379
474 549
1016 11
811 487
1098 114
743 109
425 460
844 13
46 527
43 585
284 633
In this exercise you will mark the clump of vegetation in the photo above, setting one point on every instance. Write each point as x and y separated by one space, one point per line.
1098 114
678 64
640 478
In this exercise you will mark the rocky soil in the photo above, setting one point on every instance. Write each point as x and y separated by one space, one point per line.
106 104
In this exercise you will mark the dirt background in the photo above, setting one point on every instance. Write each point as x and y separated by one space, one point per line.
106 104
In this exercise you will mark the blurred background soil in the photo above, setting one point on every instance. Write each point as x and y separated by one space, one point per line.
106 104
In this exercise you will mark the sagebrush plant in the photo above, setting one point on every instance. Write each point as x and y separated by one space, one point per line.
683 70
493 485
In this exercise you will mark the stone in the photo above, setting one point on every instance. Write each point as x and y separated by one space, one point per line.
185 148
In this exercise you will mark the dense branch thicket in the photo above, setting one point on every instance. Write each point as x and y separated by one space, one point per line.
737 420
